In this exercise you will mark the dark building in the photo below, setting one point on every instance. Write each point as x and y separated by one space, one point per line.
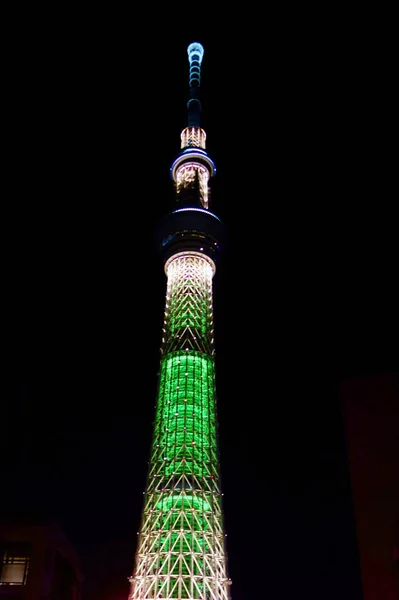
37 563
371 413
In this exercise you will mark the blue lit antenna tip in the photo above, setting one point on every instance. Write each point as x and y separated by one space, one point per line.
195 52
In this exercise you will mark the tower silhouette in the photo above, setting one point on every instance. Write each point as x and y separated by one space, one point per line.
181 543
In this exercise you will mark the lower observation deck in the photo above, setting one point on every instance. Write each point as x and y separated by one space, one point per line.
191 229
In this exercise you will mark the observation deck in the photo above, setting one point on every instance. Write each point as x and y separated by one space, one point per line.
191 229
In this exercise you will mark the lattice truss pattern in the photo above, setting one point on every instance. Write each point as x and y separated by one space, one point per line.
181 545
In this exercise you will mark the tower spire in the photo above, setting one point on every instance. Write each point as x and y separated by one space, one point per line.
195 53
193 167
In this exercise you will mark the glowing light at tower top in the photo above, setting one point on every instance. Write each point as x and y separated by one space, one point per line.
195 53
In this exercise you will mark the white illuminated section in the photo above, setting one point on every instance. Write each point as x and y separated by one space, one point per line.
185 258
193 137
192 160
186 174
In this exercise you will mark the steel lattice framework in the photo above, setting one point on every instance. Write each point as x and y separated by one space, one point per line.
181 545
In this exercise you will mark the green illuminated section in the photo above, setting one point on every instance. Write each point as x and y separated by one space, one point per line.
182 513
185 424
193 310
178 502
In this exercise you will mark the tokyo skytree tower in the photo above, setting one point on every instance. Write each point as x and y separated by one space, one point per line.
181 550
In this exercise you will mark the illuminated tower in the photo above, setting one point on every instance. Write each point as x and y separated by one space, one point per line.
181 544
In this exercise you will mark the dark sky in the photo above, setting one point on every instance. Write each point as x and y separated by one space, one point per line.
304 297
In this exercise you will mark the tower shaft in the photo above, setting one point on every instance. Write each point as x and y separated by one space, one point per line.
180 551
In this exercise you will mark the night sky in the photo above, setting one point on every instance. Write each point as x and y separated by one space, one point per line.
305 294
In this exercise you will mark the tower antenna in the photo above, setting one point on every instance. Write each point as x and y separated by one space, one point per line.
195 53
